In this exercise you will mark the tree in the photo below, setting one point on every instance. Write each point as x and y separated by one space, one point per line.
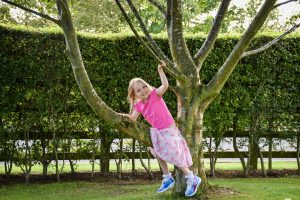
194 96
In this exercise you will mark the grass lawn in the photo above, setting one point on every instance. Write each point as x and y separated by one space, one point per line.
37 169
243 189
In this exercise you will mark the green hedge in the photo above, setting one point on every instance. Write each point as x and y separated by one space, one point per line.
34 70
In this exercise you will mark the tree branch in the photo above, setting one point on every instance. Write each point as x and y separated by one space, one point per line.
135 32
282 3
147 34
33 11
212 36
171 69
160 7
268 45
214 87
180 53
124 124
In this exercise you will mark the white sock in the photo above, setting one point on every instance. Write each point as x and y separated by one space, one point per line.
167 176
189 176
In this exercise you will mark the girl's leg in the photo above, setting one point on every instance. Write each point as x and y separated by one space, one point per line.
186 171
168 181
163 165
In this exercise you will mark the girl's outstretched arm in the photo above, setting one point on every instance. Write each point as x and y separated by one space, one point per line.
164 81
133 116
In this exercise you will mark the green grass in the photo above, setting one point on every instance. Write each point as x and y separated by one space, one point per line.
260 188
37 169
243 189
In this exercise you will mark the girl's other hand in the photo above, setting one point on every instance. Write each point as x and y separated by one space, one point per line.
161 65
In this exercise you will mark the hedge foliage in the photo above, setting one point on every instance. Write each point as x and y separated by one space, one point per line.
36 80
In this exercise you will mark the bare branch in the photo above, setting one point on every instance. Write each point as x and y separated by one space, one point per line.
33 11
282 3
268 45
180 53
160 7
212 36
135 31
147 34
214 87
171 69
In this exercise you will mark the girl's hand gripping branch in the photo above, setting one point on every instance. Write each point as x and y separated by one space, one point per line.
133 116
165 84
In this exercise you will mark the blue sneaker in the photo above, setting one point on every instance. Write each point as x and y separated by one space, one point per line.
192 186
167 183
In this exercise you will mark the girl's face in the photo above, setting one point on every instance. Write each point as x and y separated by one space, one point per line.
141 91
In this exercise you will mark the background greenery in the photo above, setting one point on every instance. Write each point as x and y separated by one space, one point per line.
39 95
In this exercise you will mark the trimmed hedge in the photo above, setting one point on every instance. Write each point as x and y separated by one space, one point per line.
35 75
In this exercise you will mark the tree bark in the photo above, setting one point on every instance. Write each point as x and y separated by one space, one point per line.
270 154
298 152
214 156
254 155
235 147
262 164
105 153
134 173
148 169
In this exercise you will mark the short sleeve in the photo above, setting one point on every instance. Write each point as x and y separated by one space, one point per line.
154 94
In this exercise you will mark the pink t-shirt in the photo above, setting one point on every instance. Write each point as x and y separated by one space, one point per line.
155 111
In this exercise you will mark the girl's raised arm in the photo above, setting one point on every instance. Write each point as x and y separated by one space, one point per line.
164 81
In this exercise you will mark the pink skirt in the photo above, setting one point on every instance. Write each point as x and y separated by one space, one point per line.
170 146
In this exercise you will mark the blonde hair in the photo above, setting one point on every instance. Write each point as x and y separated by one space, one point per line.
131 94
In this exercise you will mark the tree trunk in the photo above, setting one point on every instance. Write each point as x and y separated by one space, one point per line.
210 153
298 153
105 153
254 155
27 178
261 157
8 157
119 161
45 161
214 156
148 169
270 154
236 150
28 159
134 173
190 119
68 149
235 147
72 165
56 158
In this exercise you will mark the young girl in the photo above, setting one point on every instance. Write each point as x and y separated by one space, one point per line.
168 144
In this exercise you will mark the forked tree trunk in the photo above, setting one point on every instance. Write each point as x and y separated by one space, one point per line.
190 119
